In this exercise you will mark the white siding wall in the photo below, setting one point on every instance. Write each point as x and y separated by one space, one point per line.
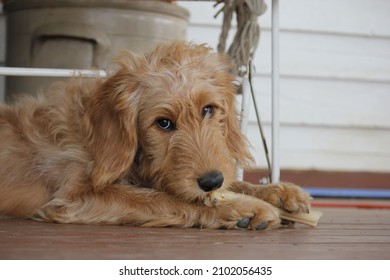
335 81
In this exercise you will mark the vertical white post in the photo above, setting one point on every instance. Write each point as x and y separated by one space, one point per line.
244 116
275 93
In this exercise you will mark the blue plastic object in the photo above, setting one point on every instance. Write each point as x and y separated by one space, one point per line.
350 193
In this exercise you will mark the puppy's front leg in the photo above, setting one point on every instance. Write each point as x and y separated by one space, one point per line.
118 205
123 204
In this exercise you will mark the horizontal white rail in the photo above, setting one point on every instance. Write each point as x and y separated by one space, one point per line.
49 72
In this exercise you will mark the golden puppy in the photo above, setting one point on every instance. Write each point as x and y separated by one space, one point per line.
143 147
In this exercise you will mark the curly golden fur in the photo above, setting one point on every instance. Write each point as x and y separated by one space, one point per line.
142 147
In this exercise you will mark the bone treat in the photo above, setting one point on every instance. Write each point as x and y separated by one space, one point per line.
310 219
217 198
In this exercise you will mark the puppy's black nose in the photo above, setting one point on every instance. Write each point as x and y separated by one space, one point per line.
210 181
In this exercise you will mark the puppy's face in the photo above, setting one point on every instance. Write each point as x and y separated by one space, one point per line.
188 135
182 136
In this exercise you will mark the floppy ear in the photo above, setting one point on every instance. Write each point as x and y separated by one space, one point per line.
113 120
235 140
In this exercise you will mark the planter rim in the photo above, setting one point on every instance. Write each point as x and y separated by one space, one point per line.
146 6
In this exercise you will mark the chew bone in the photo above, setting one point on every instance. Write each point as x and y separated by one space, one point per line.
310 219
217 198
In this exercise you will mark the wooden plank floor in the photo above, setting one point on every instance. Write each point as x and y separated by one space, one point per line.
343 233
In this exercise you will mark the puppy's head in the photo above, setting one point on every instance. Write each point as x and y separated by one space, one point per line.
169 117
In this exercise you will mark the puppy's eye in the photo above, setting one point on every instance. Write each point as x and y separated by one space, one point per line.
166 124
208 111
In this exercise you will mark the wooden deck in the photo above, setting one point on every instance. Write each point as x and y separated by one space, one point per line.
343 233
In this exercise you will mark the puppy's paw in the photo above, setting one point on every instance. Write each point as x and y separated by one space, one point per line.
286 196
247 212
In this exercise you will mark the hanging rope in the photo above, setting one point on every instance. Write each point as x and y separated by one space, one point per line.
247 36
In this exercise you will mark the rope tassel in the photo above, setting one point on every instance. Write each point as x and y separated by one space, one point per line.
247 36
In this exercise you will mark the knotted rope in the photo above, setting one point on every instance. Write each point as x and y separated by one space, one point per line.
247 36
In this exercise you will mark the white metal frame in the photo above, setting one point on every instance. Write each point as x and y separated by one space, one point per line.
275 177
46 72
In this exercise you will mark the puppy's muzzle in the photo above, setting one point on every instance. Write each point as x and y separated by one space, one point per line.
210 181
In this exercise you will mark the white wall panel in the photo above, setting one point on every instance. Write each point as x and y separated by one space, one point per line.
327 103
327 148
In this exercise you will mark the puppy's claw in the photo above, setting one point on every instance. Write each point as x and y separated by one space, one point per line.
287 223
262 226
244 222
